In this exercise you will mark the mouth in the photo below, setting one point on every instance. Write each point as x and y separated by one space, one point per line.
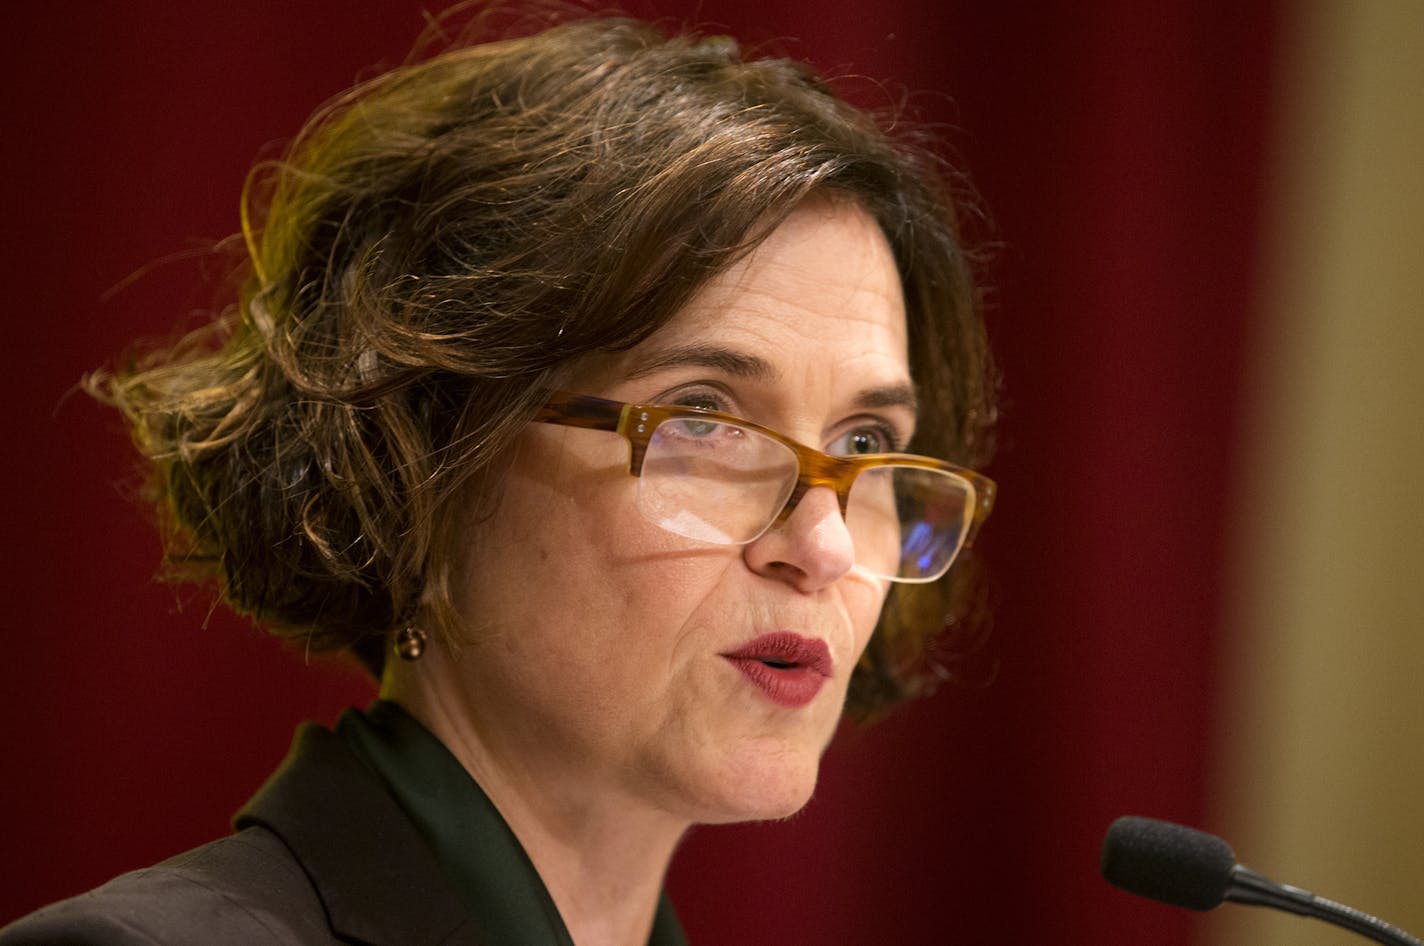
788 669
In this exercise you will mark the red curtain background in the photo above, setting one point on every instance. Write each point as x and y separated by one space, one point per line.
1118 150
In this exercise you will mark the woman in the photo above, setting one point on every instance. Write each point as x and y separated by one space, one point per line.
568 388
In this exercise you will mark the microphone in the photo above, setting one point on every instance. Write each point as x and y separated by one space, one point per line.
1192 869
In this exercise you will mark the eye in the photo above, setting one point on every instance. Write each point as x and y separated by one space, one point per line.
687 427
691 428
861 441
700 399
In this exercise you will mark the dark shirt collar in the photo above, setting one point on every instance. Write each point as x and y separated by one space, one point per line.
475 848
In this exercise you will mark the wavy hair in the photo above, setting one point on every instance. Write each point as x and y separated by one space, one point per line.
441 242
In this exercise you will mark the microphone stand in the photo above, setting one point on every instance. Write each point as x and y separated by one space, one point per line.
1249 887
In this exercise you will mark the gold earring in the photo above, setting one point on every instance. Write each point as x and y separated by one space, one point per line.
410 642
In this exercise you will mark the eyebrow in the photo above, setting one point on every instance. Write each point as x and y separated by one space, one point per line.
755 368
894 395
735 363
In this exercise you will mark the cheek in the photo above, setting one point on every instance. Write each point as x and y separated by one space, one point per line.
558 506
863 599
567 544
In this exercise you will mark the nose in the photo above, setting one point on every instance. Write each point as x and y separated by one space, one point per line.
810 549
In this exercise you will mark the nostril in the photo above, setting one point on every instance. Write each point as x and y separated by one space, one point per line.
810 549
783 568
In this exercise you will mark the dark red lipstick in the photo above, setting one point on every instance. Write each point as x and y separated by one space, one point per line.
788 668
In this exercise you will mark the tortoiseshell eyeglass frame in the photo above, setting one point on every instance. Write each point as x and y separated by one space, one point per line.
636 423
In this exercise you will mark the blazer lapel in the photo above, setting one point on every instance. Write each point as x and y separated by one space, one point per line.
375 875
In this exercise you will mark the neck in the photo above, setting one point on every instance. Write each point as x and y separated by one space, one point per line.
601 855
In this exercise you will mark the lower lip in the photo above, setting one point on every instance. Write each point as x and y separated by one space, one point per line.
786 686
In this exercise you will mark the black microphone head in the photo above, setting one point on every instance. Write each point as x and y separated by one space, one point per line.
1167 862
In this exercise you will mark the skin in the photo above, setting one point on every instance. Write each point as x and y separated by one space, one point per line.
589 698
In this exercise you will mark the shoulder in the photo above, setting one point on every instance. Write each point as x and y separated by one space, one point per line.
245 888
323 854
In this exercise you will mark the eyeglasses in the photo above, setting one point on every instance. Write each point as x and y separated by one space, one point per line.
720 479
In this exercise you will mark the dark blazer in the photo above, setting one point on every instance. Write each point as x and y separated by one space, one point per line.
322 854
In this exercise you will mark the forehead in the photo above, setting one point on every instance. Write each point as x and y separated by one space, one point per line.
820 293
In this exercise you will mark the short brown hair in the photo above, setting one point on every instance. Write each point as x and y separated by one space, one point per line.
440 243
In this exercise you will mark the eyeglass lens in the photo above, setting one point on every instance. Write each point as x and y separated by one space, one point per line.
725 484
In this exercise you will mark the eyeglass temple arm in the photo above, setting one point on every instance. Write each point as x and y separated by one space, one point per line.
581 410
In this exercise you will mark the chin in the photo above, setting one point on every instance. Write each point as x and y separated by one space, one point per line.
762 785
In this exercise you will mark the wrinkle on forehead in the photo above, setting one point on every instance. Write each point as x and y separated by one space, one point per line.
821 290
785 267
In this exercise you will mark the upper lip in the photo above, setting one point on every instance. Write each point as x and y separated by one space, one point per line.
787 648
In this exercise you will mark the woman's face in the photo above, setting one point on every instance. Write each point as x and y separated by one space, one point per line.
605 654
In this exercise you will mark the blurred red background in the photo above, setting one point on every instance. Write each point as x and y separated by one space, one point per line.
1118 148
